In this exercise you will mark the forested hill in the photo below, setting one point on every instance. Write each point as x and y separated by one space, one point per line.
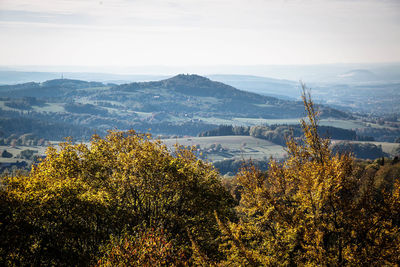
181 105
51 88
194 93
195 85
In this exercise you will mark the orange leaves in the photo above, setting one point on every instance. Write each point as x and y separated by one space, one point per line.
77 196
145 248
316 208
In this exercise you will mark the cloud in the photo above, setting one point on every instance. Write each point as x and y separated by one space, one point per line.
41 17
251 14
218 31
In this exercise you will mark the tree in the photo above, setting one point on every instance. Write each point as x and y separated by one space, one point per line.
27 154
70 204
6 154
148 248
316 208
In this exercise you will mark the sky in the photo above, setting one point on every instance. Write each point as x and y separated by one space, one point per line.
198 32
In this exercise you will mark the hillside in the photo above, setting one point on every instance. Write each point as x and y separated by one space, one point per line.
356 90
181 105
283 89
193 93
17 77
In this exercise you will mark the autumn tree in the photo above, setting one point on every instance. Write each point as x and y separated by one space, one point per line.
148 248
80 195
316 208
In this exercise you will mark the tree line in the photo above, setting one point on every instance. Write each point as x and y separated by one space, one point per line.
278 134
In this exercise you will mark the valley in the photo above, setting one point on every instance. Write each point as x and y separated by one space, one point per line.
185 109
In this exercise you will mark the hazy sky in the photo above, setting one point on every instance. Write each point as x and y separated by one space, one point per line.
198 32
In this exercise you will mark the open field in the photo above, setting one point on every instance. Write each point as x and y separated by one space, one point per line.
15 151
50 107
339 123
255 121
213 148
344 124
232 147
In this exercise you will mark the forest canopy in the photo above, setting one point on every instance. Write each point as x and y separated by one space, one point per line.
122 185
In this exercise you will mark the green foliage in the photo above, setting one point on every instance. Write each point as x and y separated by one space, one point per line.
181 105
85 108
278 134
6 154
72 201
127 200
234 165
380 134
223 130
359 150
41 126
27 154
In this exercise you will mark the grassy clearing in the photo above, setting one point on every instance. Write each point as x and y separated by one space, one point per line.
4 107
258 121
100 88
50 107
143 115
344 124
248 121
15 151
264 105
236 147
213 120
13 160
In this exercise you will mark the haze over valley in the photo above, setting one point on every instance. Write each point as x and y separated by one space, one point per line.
266 110
199 133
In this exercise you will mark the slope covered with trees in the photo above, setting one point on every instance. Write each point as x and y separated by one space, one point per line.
122 185
278 133
127 200
317 208
182 105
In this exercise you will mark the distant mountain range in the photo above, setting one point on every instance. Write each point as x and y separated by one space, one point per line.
365 88
371 91
16 77
181 93
320 73
283 89
183 104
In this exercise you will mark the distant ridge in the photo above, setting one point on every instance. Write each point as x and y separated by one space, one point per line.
183 104
50 88
196 85
358 75
279 88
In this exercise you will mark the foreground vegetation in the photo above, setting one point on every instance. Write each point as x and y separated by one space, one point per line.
316 208
126 200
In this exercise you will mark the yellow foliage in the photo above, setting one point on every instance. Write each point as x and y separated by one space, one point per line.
80 194
316 208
